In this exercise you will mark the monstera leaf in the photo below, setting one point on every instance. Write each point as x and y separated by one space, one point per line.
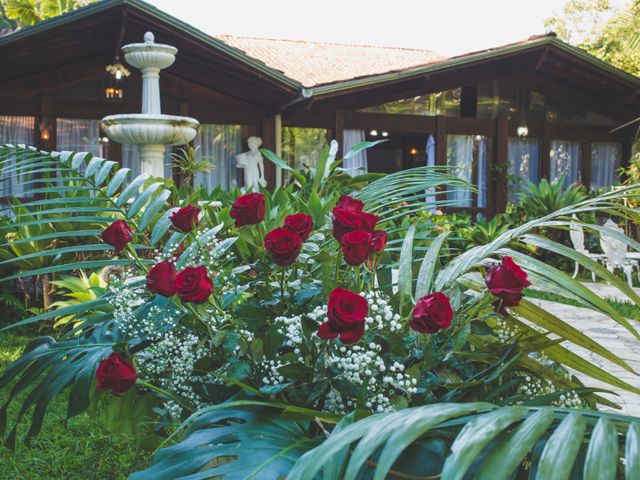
236 443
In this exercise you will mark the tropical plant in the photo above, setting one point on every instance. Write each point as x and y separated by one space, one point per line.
30 12
486 230
188 162
284 316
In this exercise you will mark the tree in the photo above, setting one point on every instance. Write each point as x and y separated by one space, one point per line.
608 32
30 12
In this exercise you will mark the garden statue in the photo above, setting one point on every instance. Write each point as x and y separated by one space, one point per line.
252 164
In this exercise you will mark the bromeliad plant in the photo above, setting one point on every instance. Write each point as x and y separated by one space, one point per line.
276 320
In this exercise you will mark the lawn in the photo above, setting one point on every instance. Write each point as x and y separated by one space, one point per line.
80 448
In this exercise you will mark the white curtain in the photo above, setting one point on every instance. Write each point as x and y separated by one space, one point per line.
78 135
460 156
16 131
219 145
430 149
523 158
605 162
356 164
131 159
565 161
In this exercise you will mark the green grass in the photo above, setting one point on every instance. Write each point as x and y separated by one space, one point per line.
626 309
80 448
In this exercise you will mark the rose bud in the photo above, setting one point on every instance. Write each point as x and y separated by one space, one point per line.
161 279
379 240
507 281
347 312
356 247
300 223
369 221
283 245
194 285
118 234
116 374
248 209
432 313
185 219
345 221
349 203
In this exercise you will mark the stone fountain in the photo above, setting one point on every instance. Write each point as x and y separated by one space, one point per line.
150 130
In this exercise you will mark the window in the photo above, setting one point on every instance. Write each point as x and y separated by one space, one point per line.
523 158
605 162
78 135
219 145
467 156
302 146
565 161
14 130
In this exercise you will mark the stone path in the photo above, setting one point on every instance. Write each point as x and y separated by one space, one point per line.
612 336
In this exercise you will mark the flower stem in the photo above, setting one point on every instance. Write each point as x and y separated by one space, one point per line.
161 391
282 284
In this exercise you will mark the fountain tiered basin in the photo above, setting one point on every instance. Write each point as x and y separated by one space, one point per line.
150 130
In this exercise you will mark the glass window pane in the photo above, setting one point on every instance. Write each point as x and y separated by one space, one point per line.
467 155
219 145
301 147
523 157
565 161
605 162
14 130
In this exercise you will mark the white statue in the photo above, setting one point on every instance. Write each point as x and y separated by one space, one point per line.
252 164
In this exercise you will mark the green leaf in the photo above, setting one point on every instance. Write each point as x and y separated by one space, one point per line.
405 271
131 189
632 452
602 455
142 199
425 276
283 165
154 208
562 449
116 181
104 172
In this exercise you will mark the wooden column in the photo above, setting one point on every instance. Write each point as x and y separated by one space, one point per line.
545 151
338 131
498 178
441 140
269 142
585 164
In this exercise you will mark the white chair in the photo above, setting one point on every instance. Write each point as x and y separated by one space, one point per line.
615 251
577 239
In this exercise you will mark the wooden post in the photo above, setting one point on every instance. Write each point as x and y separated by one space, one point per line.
545 151
269 142
441 140
585 164
338 131
498 178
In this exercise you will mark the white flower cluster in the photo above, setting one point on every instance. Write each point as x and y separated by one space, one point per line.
534 387
272 376
171 361
504 332
381 316
291 327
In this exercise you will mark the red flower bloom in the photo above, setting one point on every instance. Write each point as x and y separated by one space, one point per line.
116 374
118 234
346 311
369 221
432 313
161 279
194 285
185 219
379 240
300 223
356 247
345 221
248 209
349 203
283 245
506 281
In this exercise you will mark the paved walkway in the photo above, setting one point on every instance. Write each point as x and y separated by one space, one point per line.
610 335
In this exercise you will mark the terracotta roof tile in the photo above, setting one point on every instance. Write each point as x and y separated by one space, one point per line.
315 63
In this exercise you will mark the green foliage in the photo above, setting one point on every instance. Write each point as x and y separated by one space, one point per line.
188 162
485 231
30 12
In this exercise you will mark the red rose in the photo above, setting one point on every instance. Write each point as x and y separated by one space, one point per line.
356 247
349 203
194 285
369 221
248 209
345 221
116 374
161 279
283 245
185 219
506 281
300 223
379 240
346 311
432 313
118 234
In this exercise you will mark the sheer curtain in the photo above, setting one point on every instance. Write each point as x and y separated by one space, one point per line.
430 149
356 164
565 161
605 162
14 130
78 135
219 145
523 158
461 150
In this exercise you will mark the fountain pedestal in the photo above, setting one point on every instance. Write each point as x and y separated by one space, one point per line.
150 130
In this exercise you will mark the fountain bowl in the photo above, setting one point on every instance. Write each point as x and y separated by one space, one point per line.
152 129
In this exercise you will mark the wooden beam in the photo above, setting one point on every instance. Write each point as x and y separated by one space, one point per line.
585 164
269 142
441 140
338 131
498 175
389 122
545 151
